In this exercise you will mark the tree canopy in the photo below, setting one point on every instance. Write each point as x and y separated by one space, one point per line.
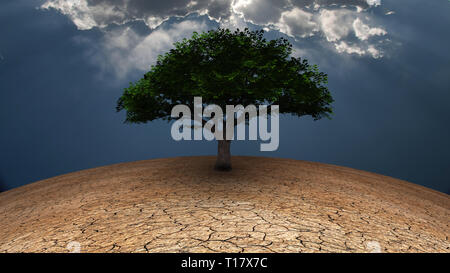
228 68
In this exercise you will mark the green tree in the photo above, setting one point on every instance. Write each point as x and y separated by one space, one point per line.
228 68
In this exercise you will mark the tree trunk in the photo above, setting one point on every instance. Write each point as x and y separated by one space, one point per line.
223 162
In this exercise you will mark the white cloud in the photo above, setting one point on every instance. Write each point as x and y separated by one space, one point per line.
340 22
335 24
363 31
374 52
373 2
339 26
154 21
234 21
343 47
297 23
85 16
123 50
259 12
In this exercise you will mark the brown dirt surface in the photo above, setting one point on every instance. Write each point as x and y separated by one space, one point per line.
262 205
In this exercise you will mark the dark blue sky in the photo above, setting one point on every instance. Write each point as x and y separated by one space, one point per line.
59 83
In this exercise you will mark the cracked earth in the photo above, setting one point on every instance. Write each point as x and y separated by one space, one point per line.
262 205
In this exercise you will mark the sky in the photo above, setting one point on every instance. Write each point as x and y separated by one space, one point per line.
64 64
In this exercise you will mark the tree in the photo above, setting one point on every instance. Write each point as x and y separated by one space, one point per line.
228 68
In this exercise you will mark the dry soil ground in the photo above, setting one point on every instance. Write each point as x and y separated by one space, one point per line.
262 205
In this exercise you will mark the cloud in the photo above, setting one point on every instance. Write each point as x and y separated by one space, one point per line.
335 24
259 12
346 30
87 14
373 2
346 24
363 31
297 23
374 52
234 21
342 47
123 50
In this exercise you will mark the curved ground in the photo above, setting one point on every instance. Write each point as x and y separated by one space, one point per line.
262 205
